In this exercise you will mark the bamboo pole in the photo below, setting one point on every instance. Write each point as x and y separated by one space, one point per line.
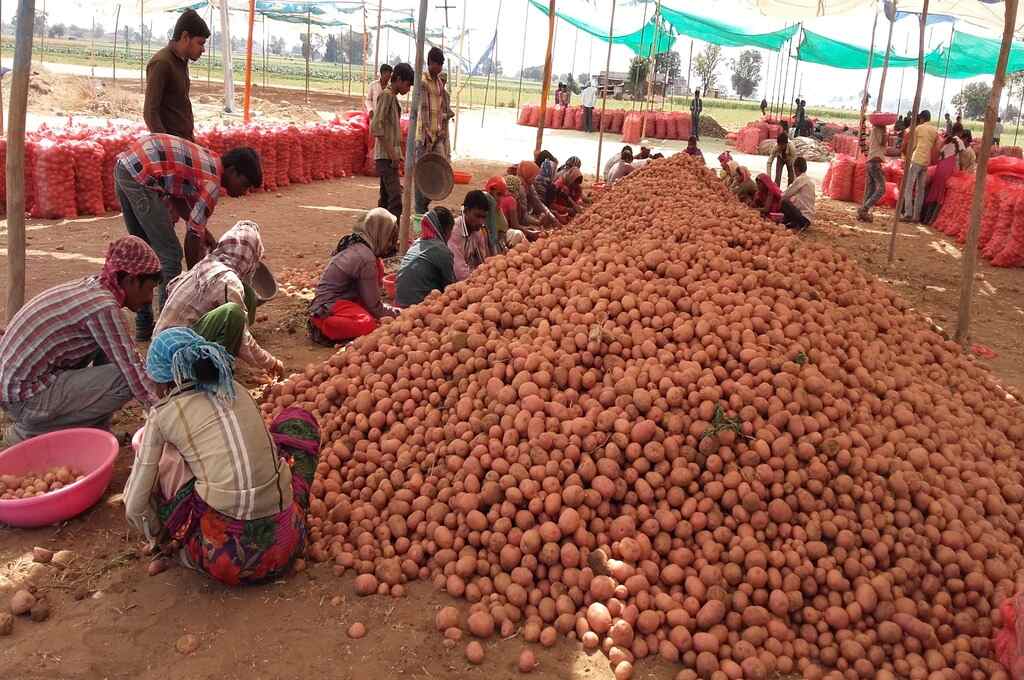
970 258
117 20
636 74
903 76
494 63
909 138
410 146
376 48
885 68
209 55
945 75
785 79
142 44
309 46
522 58
247 96
351 37
16 157
92 48
460 75
263 22
604 89
546 85
867 81
225 41
652 68
1019 107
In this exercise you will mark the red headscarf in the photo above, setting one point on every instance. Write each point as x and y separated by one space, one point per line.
130 255
528 171
496 185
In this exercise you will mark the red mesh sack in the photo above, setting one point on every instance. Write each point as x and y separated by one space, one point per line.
618 118
55 181
114 142
534 120
841 186
524 115
660 127
596 123
1009 640
579 120
891 196
88 181
631 128
670 127
558 122
1012 254
684 124
549 117
827 181
860 180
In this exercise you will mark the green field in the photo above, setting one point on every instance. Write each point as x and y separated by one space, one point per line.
289 71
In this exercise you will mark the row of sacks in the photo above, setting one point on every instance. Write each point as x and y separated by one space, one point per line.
69 171
650 124
846 179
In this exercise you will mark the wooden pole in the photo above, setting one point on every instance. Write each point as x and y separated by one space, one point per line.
92 48
908 139
522 58
546 85
225 39
117 20
351 37
689 68
376 48
785 81
885 68
142 44
970 258
652 67
247 96
494 63
263 21
867 81
410 146
459 73
945 75
209 55
1019 107
365 45
636 74
903 76
16 157
309 46
604 91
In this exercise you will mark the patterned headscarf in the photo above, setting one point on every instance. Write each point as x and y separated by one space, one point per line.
174 353
571 162
724 158
528 171
430 227
238 251
378 230
131 255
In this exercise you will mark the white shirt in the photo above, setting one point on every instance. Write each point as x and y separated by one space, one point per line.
371 96
588 97
800 193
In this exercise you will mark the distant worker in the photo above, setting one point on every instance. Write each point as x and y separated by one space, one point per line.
562 95
588 99
376 87
616 158
696 108
386 129
875 187
167 108
998 134
949 124
692 149
435 112
764 106
783 156
801 117
968 158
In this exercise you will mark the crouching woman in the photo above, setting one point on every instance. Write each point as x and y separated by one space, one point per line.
211 487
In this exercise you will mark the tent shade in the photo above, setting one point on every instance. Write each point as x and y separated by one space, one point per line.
818 49
639 41
971 56
717 33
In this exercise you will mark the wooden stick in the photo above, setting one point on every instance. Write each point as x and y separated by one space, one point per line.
460 74
225 40
16 157
652 60
945 75
546 85
885 68
309 47
142 44
867 82
247 95
410 144
117 19
522 58
376 49
970 258
604 95
909 137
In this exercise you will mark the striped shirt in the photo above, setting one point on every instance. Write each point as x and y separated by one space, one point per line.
180 169
59 330
227 449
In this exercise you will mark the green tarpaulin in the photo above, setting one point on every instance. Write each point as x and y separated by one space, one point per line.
972 56
639 41
818 49
718 33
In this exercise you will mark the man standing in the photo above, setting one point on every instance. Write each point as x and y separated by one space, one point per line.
764 106
921 148
160 178
588 98
386 129
167 108
696 108
783 156
998 131
875 187
801 115
949 124
435 112
376 87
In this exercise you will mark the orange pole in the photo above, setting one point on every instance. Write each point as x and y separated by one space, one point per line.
248 65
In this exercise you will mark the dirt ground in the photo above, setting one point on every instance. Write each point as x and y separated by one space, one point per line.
110 620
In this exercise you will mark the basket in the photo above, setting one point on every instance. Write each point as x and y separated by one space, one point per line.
462 177
433 176
264 284
882 119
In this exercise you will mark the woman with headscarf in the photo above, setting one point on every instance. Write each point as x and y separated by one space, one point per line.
507 210
215 298
544 183
210 486
428 265
743 186
66 358
536 212
347 302
768 198
949 159
567 196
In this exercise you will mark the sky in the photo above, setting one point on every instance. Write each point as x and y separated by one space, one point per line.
819 85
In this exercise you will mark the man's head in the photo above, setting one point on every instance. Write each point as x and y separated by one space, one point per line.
401 78
474 209
435 61
445 221
692 142
782 140
947 116
242 171
924 116
385 74
696 93
130 272
627 156
138 289
800 165
957 130
189 36
644 152
999 119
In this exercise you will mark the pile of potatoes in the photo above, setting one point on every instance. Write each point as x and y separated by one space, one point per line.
13 487
674 429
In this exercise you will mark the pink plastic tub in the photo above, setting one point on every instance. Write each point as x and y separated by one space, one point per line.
87 451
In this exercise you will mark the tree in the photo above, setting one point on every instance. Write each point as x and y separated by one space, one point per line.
489 66
705 66
350 48
973 100
746 73
670 65
57 31
318 43
638 77
583 79
331 50
533 73
38 27
276 45
98 31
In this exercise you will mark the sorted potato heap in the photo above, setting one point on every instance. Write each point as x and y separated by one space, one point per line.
674 429
14 487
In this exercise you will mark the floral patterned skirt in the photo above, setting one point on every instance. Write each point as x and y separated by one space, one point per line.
236 551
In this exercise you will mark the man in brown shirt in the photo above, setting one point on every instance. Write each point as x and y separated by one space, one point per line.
167 108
